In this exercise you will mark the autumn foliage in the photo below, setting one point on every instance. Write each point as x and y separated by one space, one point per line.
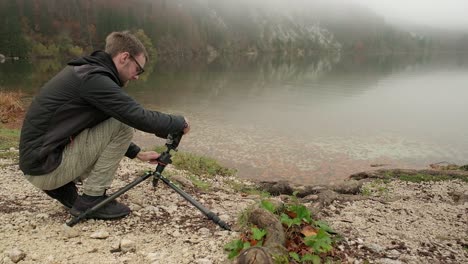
11 107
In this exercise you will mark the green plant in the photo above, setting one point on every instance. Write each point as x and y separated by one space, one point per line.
306 257
253 238
267 205
200 184
200 165
307 240
375 188
241 187
197 165
420 177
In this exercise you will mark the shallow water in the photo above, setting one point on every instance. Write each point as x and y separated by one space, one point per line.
320 121
313 120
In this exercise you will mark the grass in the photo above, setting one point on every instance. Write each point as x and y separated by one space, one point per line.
427 178
197 165
8 138
375 188
243 188
200 184
424 177
10 105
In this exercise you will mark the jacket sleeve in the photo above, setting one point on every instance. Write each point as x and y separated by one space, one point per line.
104 94
132 151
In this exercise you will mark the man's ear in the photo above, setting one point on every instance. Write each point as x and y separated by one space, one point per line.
122 57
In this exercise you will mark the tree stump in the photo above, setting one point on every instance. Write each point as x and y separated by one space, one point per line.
274 241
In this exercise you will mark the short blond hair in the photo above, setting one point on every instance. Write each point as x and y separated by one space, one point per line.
124 41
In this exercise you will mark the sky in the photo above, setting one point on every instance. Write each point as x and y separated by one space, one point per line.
447 14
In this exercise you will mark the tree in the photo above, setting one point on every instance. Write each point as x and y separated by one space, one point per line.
12 41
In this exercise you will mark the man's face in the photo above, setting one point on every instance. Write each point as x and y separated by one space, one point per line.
129 67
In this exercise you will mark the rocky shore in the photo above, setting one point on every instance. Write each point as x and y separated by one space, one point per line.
388 221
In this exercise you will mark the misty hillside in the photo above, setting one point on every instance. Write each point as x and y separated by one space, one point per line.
191 28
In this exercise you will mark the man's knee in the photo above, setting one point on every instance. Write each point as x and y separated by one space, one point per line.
123 131
127 131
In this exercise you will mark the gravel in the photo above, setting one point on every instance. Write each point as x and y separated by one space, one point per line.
414 223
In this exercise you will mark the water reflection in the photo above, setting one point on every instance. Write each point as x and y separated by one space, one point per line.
309 119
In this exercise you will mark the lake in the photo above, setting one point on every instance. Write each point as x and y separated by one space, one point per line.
314 120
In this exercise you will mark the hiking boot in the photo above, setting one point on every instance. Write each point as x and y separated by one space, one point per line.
66 194
111 210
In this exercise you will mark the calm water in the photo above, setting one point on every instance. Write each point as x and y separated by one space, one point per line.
310 121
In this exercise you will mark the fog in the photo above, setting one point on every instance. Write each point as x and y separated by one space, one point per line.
437 14
444 14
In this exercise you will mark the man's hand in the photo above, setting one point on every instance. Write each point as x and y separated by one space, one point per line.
149 156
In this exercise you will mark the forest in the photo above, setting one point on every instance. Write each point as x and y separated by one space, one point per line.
201 28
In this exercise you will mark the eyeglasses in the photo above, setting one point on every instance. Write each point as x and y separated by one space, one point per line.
140 69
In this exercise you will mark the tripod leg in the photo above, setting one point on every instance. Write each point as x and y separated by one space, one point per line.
112 197
212 216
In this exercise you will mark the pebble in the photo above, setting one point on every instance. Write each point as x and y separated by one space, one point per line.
176 233
101 234
127 245
203 261
42 216
204 231
393 254
375 248
16 255
388 261
70 232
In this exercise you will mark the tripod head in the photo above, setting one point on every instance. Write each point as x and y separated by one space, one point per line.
173 140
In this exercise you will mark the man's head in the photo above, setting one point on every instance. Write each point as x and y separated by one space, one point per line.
128 53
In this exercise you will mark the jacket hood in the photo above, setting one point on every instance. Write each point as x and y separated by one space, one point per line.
102 59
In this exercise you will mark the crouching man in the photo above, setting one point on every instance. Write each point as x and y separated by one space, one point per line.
80 126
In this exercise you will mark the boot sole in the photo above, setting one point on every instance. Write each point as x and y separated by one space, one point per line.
97 215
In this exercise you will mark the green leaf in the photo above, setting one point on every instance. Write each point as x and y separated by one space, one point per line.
320 242
324 226
286 220
267 205
234 247
295 256
302 212
314 258
258 234
246 245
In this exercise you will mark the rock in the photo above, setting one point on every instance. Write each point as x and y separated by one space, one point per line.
388 261
393 254
459 197
115 246
6 260
204 231
203 261
310 197
12 149
277 188
255 255
176 233
135 207
42 216
70 232
16 255
101 234
375 248
127 245
182 181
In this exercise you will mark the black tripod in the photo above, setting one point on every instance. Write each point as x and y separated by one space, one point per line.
172 142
